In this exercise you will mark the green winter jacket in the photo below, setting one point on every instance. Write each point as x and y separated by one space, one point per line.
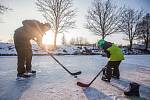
115 53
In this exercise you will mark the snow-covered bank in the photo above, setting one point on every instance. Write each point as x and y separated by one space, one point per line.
8 49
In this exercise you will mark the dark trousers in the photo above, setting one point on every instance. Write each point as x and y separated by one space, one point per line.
111 69
24 59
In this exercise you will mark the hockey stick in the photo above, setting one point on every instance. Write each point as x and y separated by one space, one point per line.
87 85
73 74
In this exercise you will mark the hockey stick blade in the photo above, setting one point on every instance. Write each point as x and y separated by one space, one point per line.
77 73
87 85
82 84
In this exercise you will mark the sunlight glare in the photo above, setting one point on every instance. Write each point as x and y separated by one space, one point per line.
48 38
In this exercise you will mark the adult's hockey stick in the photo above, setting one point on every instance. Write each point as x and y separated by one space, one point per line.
73 74
87 85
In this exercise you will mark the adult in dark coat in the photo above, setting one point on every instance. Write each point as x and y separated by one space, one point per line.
31 30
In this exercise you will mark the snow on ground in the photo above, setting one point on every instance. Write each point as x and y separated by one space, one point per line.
9 48
52 82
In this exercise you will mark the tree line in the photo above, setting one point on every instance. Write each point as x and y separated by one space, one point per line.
103 18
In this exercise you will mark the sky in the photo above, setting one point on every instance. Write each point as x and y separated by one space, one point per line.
26 9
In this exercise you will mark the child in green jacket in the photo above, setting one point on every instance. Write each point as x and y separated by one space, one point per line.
115 56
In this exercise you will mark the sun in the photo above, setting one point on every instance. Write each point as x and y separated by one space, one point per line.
48 38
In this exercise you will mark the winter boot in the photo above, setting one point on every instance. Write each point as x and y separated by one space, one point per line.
133 90
22 76
115 77
32 72
105 79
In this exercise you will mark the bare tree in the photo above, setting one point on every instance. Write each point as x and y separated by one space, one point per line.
103 18
82 41
59 13
79 41
129 19
3 9
64 42
143 30
72 41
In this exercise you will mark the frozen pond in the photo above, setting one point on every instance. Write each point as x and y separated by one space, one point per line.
52 82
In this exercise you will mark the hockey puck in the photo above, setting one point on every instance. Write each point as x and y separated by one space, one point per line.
75 76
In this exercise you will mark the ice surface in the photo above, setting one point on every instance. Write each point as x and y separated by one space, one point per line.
52 82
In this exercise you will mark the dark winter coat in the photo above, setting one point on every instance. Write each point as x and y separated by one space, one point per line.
31 30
